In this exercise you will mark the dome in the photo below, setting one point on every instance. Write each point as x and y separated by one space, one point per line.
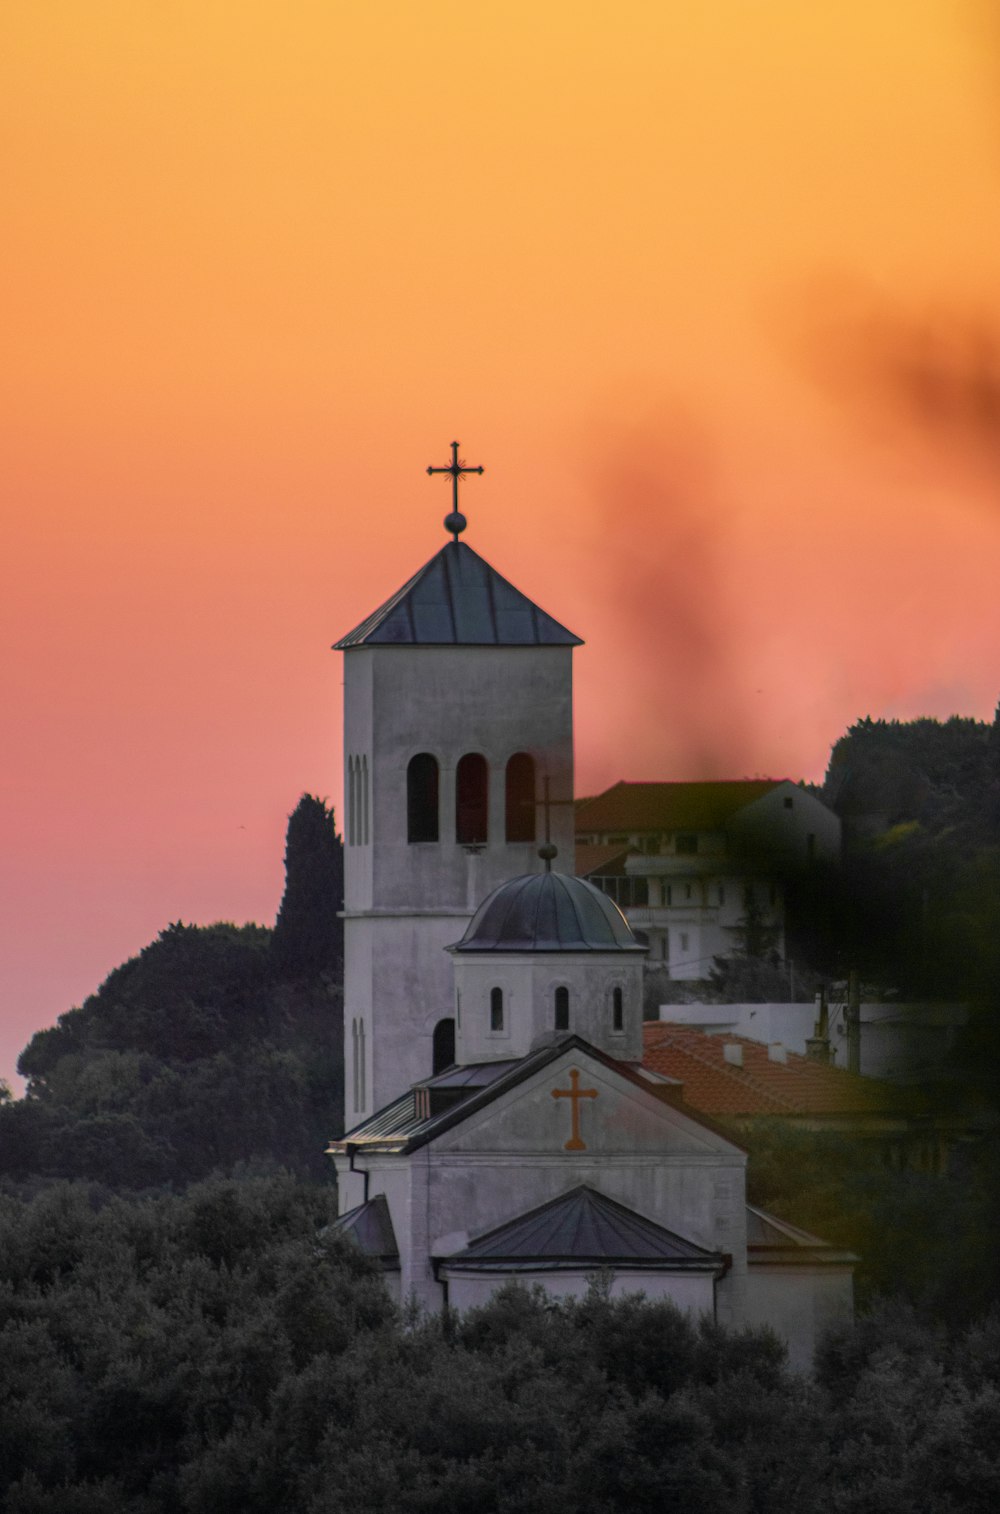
548 912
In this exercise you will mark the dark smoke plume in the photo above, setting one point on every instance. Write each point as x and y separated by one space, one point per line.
661 560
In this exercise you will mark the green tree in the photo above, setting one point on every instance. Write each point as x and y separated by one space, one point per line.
308 933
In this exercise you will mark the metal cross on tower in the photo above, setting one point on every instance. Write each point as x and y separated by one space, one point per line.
456 521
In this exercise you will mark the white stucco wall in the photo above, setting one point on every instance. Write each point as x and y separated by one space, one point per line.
528 982
798 1304
405 902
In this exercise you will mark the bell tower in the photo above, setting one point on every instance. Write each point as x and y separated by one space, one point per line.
458 704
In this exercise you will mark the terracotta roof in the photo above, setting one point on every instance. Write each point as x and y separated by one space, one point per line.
632 807
458 599
796 1086
600 859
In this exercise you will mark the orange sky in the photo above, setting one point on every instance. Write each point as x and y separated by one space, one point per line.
658 265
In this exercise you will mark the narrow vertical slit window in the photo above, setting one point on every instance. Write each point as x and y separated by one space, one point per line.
617 1010
355 1079
364 799
422 788
496 1009
350 801
471 800
520 797
362 1065
562 1008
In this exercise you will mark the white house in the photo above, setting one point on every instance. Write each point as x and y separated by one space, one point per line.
683 859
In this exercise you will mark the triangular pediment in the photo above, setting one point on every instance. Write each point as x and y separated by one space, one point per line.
458 599
573 1102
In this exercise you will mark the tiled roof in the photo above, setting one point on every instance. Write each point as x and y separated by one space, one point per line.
632 807
458 599
762 1086
599 859
772 1241
584 1228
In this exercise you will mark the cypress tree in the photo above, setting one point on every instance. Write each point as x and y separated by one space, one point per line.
308 934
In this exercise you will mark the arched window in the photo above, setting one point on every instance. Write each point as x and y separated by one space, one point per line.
520 796
422 798
444 1045
562 1008
617 1010
471 799
496 1009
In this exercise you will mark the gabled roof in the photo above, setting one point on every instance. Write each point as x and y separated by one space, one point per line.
763 1086
370 1225
400 1128
584 1228
632 807
458 599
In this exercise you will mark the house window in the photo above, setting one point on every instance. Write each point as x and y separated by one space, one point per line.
422 798
686 846
665 947
687 890
788 801
668 894
722 893
617 1010
443 1054
684 941
617 841
471 800
562 1009
520 797
811 845
496 1009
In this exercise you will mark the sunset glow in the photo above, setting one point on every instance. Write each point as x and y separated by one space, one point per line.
651 262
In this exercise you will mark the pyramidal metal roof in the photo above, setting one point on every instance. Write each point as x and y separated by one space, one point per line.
584 1227
458 599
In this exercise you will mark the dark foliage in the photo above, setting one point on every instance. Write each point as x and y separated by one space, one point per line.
921 1237
221 1352
308 934
190 1058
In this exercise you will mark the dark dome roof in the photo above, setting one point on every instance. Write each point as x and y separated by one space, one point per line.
548 912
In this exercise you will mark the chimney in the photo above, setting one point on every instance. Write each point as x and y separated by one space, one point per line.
732 1052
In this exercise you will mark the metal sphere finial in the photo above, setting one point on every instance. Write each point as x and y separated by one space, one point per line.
548 853
456 521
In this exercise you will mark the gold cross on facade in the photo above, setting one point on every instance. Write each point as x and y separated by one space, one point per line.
455 522
574 1093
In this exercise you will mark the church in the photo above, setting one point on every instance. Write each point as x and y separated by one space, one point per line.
501 1124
